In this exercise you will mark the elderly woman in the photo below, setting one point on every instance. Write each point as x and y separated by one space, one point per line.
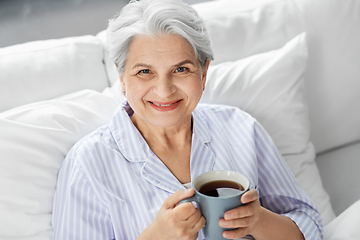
125 180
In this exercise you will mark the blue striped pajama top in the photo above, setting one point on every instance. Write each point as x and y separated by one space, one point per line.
111 185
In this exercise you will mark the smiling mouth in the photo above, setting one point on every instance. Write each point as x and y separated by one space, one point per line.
165 105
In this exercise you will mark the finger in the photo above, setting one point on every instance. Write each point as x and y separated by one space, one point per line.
194 216
200 223
187 212
243 211
174 199
237 233
249 196
236 223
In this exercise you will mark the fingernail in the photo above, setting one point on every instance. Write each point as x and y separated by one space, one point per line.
228 216
226 235
223 223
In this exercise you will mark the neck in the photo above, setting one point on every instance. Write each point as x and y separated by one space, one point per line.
172 145
170 137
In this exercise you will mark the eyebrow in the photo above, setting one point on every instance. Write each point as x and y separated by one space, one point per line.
142 65
184 62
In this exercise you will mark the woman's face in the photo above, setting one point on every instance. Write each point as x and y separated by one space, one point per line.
163 80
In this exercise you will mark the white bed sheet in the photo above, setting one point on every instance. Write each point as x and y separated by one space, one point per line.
346 226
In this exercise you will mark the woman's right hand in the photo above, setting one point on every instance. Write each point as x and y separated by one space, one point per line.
175 221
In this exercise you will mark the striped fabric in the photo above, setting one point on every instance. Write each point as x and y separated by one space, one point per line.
111 185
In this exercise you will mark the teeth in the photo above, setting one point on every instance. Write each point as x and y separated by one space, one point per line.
160 105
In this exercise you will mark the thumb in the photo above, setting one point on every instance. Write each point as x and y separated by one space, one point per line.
174 199
249 196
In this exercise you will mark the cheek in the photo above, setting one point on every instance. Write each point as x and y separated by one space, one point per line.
194 87
137 89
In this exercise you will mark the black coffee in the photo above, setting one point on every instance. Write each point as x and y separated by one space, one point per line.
221 188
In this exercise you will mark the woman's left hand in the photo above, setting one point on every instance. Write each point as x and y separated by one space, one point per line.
246 217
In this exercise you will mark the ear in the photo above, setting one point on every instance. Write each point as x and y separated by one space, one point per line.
205 70
122 83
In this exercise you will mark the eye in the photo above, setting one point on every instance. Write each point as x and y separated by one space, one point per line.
182 70
144 71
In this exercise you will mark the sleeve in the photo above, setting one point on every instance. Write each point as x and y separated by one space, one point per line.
280 192
77 211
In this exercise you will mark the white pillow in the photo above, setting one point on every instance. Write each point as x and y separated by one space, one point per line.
34 140
241 28
270 87
43 70
111 70
333 75
109 65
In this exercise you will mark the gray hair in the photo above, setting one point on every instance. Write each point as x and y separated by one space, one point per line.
153 18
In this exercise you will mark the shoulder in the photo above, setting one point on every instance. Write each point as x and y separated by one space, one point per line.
223 113
86 151
95 153
99 135
99 140
225 123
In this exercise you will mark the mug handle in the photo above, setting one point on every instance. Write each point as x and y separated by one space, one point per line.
194 198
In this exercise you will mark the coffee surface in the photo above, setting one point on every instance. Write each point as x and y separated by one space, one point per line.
221 188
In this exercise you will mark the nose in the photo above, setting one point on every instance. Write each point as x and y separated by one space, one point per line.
164 86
